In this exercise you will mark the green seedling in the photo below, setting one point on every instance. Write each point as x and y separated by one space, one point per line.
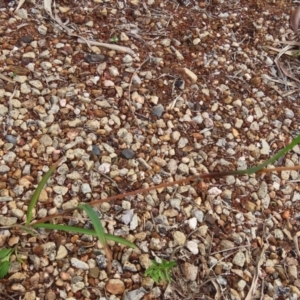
98 230
160 272
114 39
5 260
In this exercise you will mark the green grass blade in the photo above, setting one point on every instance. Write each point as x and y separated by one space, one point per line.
280 153
84 231
96 223
119 240
37 193
4 267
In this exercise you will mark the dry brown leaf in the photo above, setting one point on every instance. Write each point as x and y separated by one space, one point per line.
295 18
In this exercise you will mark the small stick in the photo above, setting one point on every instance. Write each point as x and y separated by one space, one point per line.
167 184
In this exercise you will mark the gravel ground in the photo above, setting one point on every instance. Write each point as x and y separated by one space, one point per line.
197 86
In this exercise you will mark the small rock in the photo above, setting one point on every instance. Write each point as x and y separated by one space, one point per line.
278 234
199 215
145 261
95 58
61 252
193 247
60 190
113 71
179 238
134 222
239 259
42 29
46 140
46 65
241 284
234 295
183 169
263 190
27 39
30 295
137 294
129 267
48 247
79 264
183 141
11 139
9 157
127 153
289 113
18 287
94 272
250 206
127 59
78 286
127 216
155 244
191 75
292 270
158 110
192 223
226 244
86 188
20 78
8 221
209 123
190 271
265 147
166 42
115 286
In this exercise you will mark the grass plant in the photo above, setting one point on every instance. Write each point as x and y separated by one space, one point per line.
159 272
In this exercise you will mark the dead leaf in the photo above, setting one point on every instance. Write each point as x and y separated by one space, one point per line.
295 18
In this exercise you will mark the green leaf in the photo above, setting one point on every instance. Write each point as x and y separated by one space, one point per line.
4 267
160 272
280 153
96 223
5 252
37 193
84 231
119 240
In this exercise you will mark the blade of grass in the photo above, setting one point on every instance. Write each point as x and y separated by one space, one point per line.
100 232
95 221
37 193
249 171
280 153
258 168
91 232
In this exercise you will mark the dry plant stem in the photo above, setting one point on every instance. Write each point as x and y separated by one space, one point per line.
6 78
106 45
295 239
256 273
167 184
